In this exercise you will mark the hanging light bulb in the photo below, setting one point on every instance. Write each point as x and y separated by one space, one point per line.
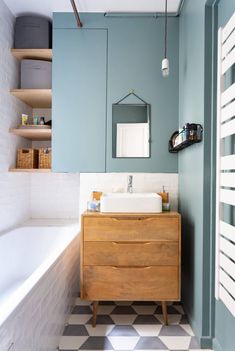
165 61
165 67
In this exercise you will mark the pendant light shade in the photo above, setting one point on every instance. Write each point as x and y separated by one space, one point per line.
165 61
165 67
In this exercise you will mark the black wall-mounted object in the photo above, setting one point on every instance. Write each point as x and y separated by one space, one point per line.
190 134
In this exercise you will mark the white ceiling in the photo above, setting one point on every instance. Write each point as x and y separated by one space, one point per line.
46 7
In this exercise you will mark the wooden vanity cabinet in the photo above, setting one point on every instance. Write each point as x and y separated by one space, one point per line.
134 257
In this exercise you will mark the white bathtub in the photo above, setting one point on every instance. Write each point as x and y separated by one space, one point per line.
32 257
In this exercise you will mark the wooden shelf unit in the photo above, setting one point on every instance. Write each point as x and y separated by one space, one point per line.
36 98
32 134
30 170
36 54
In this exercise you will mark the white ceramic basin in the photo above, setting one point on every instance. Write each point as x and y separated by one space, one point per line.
131 202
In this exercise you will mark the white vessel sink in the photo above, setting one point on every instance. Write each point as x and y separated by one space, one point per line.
131 202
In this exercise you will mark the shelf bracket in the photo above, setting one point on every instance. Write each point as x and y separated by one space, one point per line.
75 10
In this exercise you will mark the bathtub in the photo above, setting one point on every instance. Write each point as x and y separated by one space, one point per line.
38 276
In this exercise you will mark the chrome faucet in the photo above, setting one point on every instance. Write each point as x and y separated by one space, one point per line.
130 184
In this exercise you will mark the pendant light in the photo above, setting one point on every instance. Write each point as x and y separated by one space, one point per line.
165 61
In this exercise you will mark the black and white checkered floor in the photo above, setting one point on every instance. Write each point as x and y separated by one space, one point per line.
127 326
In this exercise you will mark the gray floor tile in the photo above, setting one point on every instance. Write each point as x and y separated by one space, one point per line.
194 344
173 330
184 319
144 303
97 343
75 330
123 330
102 319
106 303
150 343
170 310
82 310
146 319
123 310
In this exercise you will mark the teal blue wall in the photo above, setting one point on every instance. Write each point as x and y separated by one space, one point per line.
191 109
199 22
79 126
224 320
135 48
194 168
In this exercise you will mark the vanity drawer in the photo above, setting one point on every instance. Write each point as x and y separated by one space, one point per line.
116 253
133 228
131 283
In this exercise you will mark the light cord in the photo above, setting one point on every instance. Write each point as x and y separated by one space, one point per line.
165 28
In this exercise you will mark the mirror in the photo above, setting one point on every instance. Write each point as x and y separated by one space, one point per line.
130 130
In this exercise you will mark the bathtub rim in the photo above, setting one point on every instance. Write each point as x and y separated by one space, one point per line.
16 300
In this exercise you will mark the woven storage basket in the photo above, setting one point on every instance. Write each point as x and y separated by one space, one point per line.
45 158
27 158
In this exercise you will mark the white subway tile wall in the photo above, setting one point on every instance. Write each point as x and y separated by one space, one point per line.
14 188
25 195
37 324
142 182
54 195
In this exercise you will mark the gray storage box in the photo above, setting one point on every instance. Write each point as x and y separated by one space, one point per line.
33 32
35 74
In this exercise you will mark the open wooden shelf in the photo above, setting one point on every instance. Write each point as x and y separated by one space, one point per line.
36 98
36 54
33 134
30 170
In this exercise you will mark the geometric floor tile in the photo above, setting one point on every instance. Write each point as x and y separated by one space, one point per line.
179 308
187 328
172 318
101 319
170 310
123 310
75 330
97 343
124 342
147 329
146 319
123 318
123 303
80 302
144 303
173 330
105 309
128 326
176 343
71 342
184 319
123 330
107 303
193 343
82 310
150 343
79 319
99 330
148 310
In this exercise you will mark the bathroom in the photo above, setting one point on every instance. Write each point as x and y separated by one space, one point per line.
151 69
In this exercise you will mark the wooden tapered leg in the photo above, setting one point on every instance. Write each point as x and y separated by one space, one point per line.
164 311
95 308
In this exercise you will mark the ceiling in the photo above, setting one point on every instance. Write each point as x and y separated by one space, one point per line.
47 7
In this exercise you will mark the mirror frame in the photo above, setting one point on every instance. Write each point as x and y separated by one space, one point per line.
148 106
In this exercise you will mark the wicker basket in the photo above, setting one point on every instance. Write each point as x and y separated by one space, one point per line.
27 158
45 158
